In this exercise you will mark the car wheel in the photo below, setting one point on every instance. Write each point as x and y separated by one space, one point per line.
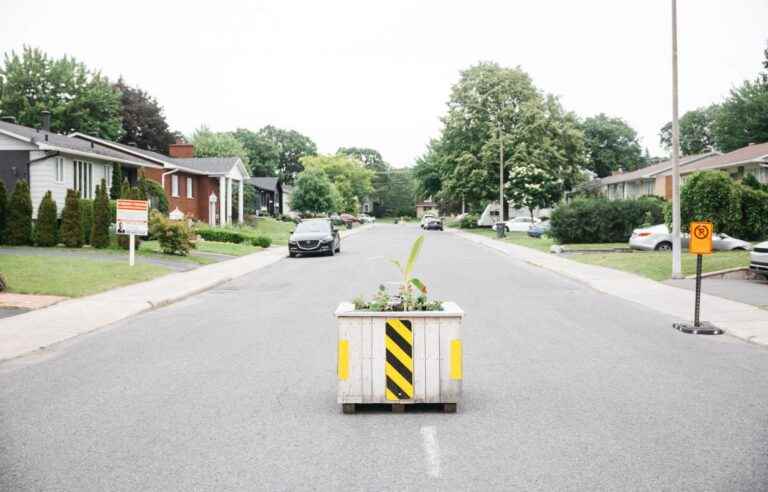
292 255
338 248
331 252
664 246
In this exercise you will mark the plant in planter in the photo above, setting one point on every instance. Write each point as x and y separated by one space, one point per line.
404 298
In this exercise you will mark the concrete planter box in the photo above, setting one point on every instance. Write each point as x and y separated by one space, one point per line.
399 358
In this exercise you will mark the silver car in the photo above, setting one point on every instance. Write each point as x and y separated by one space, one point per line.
758 259
658 238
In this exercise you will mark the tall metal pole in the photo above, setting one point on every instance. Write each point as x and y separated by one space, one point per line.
676 246
500 232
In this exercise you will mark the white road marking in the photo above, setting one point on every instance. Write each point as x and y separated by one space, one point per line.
431 450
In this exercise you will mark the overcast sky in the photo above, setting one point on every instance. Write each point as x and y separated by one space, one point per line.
378 74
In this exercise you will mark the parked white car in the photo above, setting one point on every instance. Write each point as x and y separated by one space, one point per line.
758 259
520 224
366 219
658 238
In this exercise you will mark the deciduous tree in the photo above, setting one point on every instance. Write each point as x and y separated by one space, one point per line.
696 131
314 193
143 119
79 99
611 144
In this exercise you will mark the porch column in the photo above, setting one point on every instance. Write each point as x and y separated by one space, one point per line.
222 201
240 202
229 200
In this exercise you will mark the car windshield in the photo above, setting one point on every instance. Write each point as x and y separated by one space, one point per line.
313 226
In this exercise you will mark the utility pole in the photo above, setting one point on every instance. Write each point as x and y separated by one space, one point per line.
676 244
500 232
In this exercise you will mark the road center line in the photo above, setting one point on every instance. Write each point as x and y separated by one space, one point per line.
431 450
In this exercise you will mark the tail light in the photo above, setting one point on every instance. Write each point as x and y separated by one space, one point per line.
643 234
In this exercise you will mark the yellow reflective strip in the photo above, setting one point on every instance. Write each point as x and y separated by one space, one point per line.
398 353
456 369
391 396
399 380
402 330
343 368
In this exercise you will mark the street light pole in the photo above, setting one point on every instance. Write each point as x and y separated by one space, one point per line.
676 244
500 232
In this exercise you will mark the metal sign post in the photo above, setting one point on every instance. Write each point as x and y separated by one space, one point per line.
700 245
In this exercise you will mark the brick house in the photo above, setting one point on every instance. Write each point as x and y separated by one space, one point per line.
209 189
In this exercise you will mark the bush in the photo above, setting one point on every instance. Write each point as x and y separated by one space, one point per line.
45 229
597 220
71 229
469 221
155 193
262 241
101 219
754 214
174 236
3 211
19 223
221 235
86 218
712 196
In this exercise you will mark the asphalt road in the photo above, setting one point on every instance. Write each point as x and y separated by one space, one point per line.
234 389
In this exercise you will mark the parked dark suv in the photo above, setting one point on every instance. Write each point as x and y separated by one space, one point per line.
314 236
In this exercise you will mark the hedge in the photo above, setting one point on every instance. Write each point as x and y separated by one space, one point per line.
598 220
469 221
262 241
222 235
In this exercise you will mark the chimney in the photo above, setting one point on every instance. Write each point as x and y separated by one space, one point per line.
45 120
9 119
181 149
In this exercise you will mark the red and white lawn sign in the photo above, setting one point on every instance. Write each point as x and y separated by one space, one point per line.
132 219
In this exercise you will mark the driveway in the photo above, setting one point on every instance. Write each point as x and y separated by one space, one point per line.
753 292
566 388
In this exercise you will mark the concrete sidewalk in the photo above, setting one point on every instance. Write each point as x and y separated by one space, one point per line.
41 328
740 320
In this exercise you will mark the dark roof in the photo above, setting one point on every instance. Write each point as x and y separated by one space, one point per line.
653 169
268 183
66 142
211 165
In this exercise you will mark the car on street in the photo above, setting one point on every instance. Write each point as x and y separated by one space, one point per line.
658 238
432 223
314 236
538 230
427 216
758 259
520 224
366 219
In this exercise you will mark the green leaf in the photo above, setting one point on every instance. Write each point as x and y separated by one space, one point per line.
415 250
419 285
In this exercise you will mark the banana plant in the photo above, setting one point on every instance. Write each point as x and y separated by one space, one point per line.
407 271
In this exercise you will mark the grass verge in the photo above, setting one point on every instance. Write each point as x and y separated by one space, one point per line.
71 277
230 249
658 265
276 230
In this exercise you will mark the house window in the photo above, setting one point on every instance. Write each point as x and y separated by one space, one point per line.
83 178
189 188
59 169
174 185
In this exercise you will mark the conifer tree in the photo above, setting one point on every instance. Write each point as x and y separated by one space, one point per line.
19 222
45 228
71 228
101 218
3 211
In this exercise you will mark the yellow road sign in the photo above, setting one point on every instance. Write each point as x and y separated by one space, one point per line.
701 238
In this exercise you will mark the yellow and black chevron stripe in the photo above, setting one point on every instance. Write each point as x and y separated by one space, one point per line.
399 364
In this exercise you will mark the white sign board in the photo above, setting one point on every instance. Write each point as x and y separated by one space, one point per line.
133 217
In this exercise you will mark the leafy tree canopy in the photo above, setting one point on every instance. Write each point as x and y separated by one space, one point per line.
143 120
275 151
381 180
79 99
217 144
611 145
696 131
350 177
530 186
743 117
314 193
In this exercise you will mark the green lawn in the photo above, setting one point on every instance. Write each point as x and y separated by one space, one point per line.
658 265
277 230
71 277
230 249
519 238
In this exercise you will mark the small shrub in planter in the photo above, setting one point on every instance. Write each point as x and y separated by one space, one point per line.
19 222
71 232
262 241
174 236
406 298
45 229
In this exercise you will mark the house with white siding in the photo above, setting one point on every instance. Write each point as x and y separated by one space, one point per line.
50 161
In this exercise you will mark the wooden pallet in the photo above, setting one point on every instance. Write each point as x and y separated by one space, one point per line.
349 408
